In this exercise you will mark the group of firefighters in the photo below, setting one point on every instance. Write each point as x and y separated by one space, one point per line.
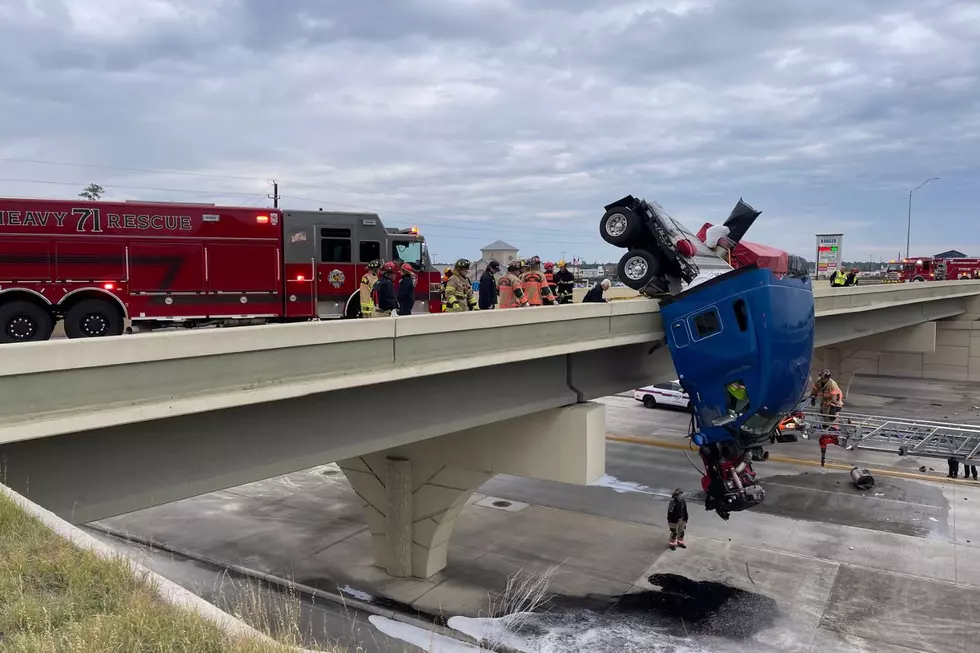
524 284
841 279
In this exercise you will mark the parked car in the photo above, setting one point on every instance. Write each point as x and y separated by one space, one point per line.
663 394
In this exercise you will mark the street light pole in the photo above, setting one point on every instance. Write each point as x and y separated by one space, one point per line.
908 232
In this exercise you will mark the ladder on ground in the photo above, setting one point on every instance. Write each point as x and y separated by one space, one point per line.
906 437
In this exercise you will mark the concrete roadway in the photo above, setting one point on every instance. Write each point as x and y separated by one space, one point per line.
819 567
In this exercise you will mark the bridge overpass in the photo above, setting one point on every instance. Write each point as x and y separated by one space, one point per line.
418 411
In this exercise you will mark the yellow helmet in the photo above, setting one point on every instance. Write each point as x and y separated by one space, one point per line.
448 272
562 263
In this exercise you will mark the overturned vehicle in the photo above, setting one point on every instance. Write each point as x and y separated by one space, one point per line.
740 332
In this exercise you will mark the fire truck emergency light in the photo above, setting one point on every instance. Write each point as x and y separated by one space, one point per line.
300 277
262 219
108 286
414 230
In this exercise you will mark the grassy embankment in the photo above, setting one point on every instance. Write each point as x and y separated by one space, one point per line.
55 597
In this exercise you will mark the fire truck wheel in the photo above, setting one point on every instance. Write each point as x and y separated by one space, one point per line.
620 226
24 322
93 318
638 268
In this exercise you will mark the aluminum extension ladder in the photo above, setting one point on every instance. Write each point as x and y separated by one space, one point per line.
906 437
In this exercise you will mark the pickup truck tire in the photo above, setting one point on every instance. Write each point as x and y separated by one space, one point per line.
638 268
93 318
23 321
620 226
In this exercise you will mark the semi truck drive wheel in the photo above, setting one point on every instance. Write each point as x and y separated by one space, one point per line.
620 226
22 321
93 318
638 268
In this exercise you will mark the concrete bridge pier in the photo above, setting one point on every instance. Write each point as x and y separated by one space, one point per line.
413 493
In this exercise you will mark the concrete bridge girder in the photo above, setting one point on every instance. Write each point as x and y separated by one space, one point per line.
412 517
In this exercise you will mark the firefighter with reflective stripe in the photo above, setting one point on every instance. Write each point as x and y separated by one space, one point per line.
446 274
831 403
837 279
459 291
383 294
510 288
538 291
367 287
549 278
565 282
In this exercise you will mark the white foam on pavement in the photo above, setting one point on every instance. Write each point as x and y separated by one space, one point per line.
426 640
625 487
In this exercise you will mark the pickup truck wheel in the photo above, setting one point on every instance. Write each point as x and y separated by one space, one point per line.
620 226
638 268
22 321
649 401
93 318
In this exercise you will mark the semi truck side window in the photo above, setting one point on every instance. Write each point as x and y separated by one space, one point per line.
707 323
370 251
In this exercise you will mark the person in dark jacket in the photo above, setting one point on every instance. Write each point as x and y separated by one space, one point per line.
564 283
488 286
406 290
384 292
677 519
594 296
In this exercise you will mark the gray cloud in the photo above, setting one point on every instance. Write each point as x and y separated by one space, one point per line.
480 119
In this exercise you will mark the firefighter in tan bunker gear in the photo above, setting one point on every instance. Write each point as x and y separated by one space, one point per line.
446 276
510 288
537 289
459 292
367 285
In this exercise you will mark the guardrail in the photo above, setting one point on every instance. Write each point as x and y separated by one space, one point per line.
46 386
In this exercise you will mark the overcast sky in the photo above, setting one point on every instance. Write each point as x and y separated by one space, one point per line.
513 119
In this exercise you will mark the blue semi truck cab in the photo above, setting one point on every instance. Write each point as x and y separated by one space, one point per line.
741 342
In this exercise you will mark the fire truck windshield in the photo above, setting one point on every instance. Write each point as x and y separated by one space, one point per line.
408 251
894 267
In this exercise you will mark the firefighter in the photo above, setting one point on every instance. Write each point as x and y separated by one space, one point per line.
852 278
565 283
510 288
446 274
383 293
459 291
488 286
677 519
837 279
549 278
538 291
406 290
831 403
367 286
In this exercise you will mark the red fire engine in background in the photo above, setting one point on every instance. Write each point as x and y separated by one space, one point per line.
927 268
95 265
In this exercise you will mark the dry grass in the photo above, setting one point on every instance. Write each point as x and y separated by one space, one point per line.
56 598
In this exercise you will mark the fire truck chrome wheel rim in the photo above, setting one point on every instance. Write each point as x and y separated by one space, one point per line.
94 325
21 328
616 225
636 268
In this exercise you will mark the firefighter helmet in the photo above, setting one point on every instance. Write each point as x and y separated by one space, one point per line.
549 266
463 264
374 265
389 267
407 267
448 272
825 374
534 261
562 263
514 266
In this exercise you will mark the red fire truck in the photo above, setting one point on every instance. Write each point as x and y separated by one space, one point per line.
97 264
927 268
